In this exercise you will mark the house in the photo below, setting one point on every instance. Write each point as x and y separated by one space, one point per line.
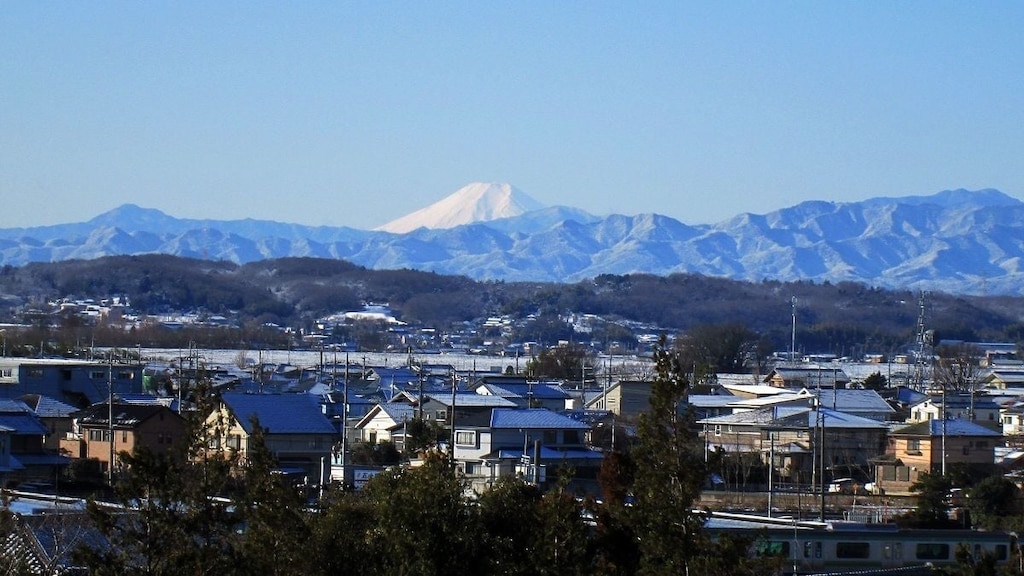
1004 379
103 430
469 409
918 448
528 393
811 376
976 407
627 399
77 382
1012 419
54 414
863 403
530 442
788 436
384 422
22 448
295 430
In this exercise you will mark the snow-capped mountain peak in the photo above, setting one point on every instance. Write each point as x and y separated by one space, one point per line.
476 202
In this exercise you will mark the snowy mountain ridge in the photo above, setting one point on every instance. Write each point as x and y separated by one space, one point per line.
958 241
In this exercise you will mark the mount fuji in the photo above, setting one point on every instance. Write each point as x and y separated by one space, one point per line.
958 241
473 203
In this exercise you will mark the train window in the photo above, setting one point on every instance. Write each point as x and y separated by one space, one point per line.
853 549
809 546
770 548
932 551
892 551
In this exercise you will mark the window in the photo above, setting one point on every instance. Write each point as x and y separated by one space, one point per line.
1002 552
932 551
465 438
966 449
549 437
571 437
441 415
718 429
6 372
125 375
124 436
97 435
234 441
34 373
98 375
853 549
772 548
913 446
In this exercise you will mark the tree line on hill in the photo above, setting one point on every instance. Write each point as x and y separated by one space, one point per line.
845 318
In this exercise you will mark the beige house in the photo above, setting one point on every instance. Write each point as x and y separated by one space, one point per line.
296 431
918 449
626 399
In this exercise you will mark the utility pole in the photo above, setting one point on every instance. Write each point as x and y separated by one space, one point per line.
792 341
110 415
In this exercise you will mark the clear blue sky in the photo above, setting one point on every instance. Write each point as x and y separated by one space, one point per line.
357 113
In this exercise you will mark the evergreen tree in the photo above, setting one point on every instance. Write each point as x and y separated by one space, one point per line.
423 524
168 521
276 528
510 543
669 474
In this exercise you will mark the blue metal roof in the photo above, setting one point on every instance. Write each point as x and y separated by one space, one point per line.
279 413
19 418
533 418
47 407
549 454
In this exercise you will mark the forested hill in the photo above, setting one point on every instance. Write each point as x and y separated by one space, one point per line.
294 291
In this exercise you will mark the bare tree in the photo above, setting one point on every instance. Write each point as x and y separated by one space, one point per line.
957 367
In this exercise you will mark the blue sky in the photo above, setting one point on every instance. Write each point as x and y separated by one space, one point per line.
355 114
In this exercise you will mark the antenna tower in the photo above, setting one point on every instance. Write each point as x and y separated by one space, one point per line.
921 341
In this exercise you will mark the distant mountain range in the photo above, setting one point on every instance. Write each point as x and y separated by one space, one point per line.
957 241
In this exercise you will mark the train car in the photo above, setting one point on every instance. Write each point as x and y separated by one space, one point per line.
812 547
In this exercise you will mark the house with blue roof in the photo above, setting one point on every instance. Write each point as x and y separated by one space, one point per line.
54 414
296 430
22 451
77 382
531 442
923 447
529 394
